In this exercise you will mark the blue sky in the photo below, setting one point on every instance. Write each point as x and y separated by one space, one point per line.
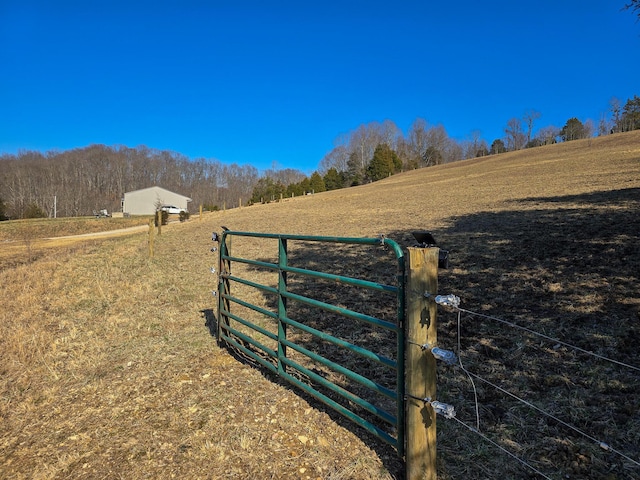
256 82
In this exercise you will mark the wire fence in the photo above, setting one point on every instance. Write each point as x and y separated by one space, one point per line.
452 302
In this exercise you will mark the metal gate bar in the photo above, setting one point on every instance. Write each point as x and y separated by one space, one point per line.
276 359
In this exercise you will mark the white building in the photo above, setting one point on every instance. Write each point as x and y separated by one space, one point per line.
148 200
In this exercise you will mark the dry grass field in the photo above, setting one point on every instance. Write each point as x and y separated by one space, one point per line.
23 241
108 371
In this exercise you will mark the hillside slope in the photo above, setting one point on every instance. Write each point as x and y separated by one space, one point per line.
108 370
429 197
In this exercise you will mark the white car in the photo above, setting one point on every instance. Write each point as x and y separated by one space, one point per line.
172 209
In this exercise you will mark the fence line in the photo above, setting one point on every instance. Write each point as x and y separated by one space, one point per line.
546 337
453 302
601 444
500 447
473 384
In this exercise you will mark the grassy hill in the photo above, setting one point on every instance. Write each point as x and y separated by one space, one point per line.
108 371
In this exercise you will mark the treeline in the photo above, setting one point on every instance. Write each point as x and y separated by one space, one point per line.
378 150
426 145
83 180
78 182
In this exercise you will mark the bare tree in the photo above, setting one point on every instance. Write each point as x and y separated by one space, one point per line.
604 125
389 134
418 141
476 146
285 176
515 137
363 142
589 128
616 110
438 141
95 177
337 158
548 135
529 119
634 6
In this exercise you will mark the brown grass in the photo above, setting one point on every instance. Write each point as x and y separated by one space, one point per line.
108 371
23 241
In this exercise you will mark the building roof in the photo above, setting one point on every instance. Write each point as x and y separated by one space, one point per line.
159 189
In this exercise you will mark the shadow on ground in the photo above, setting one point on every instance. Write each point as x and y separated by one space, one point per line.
566 267
563 266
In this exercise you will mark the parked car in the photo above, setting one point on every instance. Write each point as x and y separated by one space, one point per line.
101 213
172 209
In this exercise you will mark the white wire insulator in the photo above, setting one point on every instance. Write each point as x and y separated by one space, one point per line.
444 409
447 356
448 300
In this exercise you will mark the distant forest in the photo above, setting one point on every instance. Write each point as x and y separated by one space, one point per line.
96 177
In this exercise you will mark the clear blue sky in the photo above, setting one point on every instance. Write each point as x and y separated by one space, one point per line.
257 82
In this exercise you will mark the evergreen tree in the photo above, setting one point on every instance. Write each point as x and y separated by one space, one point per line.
296 189
333 180
34 211
317 183
354 172
497 147
574 129
397 162
266 190
384 163
630 118
305 186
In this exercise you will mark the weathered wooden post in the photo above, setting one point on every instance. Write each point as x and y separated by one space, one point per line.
159 217
420 381
200 212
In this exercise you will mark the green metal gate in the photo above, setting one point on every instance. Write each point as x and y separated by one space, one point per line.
284 301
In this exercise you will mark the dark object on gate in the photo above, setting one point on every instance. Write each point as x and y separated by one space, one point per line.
425 240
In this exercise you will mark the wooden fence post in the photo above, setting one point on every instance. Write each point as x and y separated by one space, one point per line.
200 212
159 216
420 377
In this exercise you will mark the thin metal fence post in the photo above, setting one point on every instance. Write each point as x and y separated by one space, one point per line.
422 277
